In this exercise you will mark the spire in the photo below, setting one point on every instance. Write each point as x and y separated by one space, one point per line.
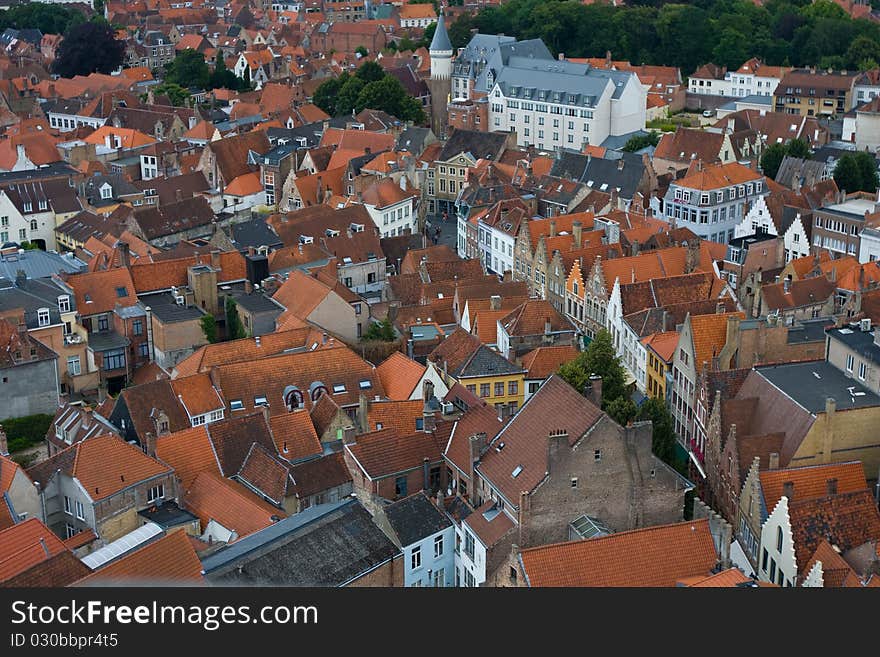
440 42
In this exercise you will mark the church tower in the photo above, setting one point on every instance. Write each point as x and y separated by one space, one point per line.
440 82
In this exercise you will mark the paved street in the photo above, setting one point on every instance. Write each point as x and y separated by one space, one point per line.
447 230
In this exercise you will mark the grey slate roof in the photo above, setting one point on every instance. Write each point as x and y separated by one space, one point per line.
166 309
415 518
440 42
325 545
486 362
481 145
39 264
861 342
255 233
622 171
805 172
811 383
413 140
33 295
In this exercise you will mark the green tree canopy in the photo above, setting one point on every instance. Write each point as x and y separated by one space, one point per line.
369 72
663 439
857 172
234 328
363 52
639 142
178 95
771 159
88 48
222 78
48 18
188 69
209 327
382 331
598 358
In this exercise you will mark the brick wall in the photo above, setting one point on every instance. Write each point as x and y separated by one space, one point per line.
388 574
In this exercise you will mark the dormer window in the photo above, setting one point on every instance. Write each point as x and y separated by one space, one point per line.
106 191
260 400
43 204
293 398
365 384
43 317
64 303
338 388
28 206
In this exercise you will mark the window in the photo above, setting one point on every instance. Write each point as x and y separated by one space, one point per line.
597 454
469 544
236 405
863 370
513 387
114 360
400 486
34 225
574 482
484 390
198 420
499 388
71 530
80 510
156 493
103 323
43 317
850 361
144 350
472 388
137 327
772 569
73 366
779 539
67 506
438 547
764 556
439 578
64 303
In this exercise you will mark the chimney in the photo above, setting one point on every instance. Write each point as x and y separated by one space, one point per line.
607 59
577 230
429 421
773 461
561 56
786 284
620 164
553 228
319 191
426 474
476 445
831 486
178 194
830 406
215 259
440 501
634 247
86 417
596 389
4 444
124 254
363 413
719 308
495 302
788 490
548 326
150 444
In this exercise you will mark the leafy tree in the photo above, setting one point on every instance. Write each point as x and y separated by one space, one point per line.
26 431
326 94
622 410
460 31
428 36
370 72
209 327
862 48
856 172
772 159
599 358
663 440
638 142
234 327
382 331
48 18
346 99
88 48
222 78
797 148
177 94
188 69
389 96
362 51
99 6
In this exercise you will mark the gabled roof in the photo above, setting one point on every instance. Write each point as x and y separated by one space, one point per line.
415 518
479 418
170 560
810 482
399 375
295 436
100 291
24 545
555 408
655 556
709 335
210 497
104 465
386 452
542 362
189 452
532 317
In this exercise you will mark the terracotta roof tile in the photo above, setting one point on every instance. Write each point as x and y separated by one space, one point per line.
489 531
265 473
804 292
295 436
59 570
531 318
655 556
544 361
211 497
232 440
167 560
104 465
318 475
189 452
399 376
24 545
726 578
709 334
526 437
811 481
398 415
197 394
100 291
165 274
484 324
718 176
384 453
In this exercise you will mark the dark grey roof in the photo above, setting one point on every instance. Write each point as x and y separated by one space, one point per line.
810 384
39 264
440 42
415 518
54 170
616 142
166 309
167 515
107 341
481 145
31 296
558 81
486 362
255 233
255 302
861 342
325 545
812 330
622 172
806 173
311 132
413 140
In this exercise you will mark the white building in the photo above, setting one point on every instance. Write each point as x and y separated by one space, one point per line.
754 78
426 537
559 104
392 206
759 220
776 555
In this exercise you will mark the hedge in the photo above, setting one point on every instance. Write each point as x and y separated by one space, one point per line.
24 432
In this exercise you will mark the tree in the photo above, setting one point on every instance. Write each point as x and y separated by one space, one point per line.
326 94
599 358
88 48
370 72
177 94
772 159
622 410
639 142
388 95
99 6
209 327
382 331
360 50
798 148
223 78
856 172
663 440
346 99
188 69
234 328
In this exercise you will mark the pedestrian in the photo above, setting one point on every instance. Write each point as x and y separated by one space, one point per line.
445 216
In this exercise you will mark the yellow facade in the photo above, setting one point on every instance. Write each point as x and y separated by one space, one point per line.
506 389
655 383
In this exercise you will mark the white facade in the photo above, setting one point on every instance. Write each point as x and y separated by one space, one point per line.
417 22
15 227
550 125
470 558
776 556
750 84
496 248
709 87
149 167
394 219
758 219
866 131
633 354
869 245
431 561
862 93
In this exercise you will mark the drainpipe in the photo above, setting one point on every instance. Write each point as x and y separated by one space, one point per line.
150 345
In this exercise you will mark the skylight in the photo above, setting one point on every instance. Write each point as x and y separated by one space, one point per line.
365 384
338 388
516 471
121 292
236 405
261 400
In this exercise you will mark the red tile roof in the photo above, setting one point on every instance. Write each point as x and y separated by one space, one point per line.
189 452
384 453
400 376
544 361
100 291
655 556
24 545
489 531
811 481
170 560
211 497
295 436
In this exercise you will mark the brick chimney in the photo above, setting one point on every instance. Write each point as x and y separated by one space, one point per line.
363 413
553 228
788 490
476 446
124 254
495 302
577 231
773 463
150 444
831 486
595 389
